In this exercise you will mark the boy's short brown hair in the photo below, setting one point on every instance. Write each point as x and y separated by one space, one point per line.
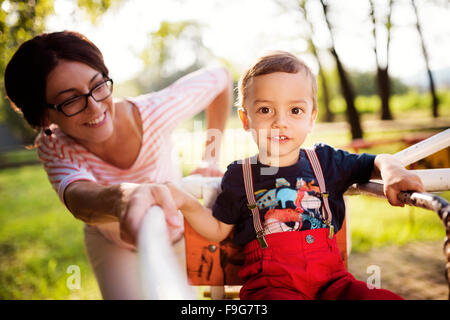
275 61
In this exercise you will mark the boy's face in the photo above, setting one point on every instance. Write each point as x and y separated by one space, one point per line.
280 115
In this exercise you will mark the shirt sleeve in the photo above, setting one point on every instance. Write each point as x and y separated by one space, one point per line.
229 203
185 97
62 164
344 167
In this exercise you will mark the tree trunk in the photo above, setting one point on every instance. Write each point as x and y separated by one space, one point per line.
349 96
346 87
435 101
384 91
329 116
383 81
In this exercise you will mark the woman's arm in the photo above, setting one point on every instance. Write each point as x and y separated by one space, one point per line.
93 203
126 203
217 113
395 178
199 217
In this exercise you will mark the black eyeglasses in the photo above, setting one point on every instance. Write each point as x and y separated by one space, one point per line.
77 104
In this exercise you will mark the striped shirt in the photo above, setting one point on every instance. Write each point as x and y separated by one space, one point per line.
66 161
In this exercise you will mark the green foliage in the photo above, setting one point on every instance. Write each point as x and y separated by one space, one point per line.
365 84
162 57
19 21
402 105
95 8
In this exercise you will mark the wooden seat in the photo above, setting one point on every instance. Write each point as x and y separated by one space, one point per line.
217 263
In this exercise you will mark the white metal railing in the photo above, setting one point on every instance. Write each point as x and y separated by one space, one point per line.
424 148
161 275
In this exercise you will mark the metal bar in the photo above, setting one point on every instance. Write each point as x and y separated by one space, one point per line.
424 148
434 179
161 275
417 199
198 186
442 208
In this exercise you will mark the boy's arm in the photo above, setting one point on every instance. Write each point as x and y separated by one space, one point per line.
395 178
199 217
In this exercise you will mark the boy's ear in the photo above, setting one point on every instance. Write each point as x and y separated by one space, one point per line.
313 119
243 116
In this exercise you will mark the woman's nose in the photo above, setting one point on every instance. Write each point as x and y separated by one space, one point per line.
92 104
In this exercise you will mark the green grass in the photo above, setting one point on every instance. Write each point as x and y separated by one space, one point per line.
39 240
21 155
375 223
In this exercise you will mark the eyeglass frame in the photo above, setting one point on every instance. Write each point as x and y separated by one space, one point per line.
58 106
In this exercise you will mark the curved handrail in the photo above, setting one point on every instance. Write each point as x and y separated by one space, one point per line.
424 148
160 274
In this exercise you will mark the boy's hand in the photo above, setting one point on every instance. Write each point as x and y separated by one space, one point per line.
396 178
208 170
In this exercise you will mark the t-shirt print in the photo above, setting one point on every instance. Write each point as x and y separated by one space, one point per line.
290 209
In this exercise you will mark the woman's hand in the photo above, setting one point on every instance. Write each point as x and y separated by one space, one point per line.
396 178
135 202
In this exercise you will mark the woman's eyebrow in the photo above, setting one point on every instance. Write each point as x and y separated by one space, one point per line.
73 89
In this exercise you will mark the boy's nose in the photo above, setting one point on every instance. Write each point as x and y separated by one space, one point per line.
279 122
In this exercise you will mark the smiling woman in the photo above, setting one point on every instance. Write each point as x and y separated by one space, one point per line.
65 86
109 160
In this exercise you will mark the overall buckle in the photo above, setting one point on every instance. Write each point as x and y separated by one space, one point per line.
261 239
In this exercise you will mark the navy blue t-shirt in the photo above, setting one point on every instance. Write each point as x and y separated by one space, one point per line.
288 198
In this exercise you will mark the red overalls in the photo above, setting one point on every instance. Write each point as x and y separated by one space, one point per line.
299 265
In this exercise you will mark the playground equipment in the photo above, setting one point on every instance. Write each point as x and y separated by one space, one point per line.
216 264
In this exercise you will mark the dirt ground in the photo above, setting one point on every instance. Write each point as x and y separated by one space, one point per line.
414 271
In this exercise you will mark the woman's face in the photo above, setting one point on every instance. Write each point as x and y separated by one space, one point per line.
69 79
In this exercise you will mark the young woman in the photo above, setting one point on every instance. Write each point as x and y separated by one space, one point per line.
108 160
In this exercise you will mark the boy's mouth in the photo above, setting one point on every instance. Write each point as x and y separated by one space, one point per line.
280 138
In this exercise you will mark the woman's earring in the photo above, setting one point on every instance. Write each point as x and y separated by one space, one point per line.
48 132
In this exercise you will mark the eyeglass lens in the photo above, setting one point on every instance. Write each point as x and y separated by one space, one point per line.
78 104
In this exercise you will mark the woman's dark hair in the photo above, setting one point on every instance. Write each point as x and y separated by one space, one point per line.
27 71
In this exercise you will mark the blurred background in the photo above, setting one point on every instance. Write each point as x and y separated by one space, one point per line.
383 71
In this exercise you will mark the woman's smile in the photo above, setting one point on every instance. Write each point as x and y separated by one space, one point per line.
97 122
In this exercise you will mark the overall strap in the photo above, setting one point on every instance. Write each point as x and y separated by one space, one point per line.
248 183
317 169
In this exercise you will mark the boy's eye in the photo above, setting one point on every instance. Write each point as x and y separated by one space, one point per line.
296 110
264 110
